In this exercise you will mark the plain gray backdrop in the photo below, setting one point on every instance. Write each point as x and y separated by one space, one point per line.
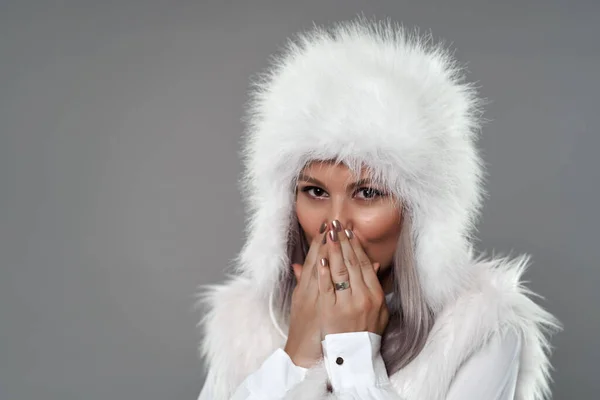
120 130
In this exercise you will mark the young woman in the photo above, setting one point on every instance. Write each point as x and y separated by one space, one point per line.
358 278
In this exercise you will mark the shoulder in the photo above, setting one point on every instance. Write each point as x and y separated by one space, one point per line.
497 301
505 296
499 298
499 306
491 372
236 328
495 308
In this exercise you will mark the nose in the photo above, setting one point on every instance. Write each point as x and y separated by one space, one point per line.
340 210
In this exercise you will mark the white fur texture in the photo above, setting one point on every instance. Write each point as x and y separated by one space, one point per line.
371 93
239 336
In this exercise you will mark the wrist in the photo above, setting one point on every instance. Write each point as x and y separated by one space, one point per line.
298 359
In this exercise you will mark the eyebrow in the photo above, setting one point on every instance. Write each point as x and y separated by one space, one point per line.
310 179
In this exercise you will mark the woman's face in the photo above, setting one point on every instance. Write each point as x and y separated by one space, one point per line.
327 191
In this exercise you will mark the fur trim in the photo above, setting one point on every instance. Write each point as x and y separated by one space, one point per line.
239 336
369 94
238 333
497 303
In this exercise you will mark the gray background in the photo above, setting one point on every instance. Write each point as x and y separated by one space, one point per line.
120 125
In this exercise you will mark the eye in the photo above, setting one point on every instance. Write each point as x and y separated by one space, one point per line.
314 191
369 193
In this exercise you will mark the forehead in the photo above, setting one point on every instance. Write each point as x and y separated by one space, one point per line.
331 170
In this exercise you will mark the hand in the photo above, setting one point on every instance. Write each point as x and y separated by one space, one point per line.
304 337
362 306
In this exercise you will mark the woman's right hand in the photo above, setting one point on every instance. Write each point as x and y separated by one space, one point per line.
304 336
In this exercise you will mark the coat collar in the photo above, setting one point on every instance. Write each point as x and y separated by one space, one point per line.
239 335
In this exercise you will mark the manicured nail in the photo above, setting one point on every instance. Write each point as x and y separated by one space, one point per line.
323 227
324 262
336 225
324 239
333 236
349 233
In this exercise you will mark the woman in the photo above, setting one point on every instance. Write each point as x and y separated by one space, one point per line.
358 280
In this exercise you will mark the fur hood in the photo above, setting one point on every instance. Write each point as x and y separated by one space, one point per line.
372 93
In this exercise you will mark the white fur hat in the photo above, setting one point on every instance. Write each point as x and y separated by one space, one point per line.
367 92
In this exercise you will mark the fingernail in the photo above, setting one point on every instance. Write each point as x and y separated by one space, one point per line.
323 227
324 262
324 239
336 225
349 233
333 235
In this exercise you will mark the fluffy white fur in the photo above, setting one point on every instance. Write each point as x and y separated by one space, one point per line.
239 336
367 93
370 93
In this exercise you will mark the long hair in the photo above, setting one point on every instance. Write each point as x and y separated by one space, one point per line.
410 319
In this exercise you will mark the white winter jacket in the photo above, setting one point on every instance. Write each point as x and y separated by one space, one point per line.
371 94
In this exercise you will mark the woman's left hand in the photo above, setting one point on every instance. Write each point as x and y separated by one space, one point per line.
360 307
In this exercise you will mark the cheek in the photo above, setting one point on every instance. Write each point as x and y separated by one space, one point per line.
309 217
377 224
379 231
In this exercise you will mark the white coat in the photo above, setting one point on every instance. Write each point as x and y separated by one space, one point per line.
370 93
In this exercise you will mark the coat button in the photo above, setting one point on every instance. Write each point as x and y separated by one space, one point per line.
339 361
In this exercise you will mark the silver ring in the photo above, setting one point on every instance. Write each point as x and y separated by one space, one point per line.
342 285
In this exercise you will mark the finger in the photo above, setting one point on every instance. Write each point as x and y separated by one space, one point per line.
350 259
310 283
339 271
317 241
312 257
376 267
326 290
321 255
297 271
368 272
